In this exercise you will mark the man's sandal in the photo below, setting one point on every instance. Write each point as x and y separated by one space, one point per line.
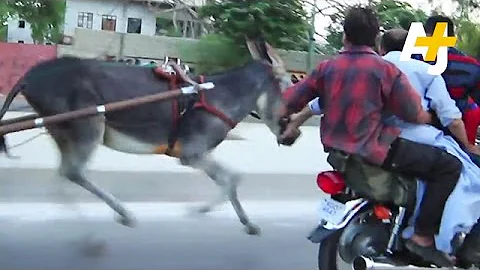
430 254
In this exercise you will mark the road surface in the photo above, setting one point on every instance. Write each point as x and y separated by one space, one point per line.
278 192
46 236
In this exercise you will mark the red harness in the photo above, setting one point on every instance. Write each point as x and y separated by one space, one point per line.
202 104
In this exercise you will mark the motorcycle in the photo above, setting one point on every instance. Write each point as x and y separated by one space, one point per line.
364 215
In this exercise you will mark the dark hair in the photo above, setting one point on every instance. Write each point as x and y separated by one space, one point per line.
361 26
433 20
394 40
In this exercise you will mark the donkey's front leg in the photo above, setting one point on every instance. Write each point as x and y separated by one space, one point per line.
228 182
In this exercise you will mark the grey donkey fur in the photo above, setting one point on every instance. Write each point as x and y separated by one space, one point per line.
70 83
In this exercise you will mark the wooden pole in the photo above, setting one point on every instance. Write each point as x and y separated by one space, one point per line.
96 110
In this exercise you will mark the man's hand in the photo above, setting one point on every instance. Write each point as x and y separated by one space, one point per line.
473 149
457 128
290 135
425 118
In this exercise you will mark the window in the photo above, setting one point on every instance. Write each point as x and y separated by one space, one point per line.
21 41
134 25
109 22
85 20
21 24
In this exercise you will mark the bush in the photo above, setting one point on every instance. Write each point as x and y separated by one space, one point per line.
214 53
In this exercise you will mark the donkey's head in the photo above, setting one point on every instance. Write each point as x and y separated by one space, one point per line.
270 101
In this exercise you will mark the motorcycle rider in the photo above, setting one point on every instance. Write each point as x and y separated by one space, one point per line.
356 89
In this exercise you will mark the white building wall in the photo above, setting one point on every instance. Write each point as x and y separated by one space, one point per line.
15 33
121 9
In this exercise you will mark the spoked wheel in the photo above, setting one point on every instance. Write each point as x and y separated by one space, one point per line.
365 235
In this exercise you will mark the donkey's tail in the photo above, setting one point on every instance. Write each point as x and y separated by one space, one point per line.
19 86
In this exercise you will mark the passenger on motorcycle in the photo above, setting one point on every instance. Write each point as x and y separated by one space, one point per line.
431 87
462 77
356 89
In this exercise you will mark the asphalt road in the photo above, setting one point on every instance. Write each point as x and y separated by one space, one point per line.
43 236
278 192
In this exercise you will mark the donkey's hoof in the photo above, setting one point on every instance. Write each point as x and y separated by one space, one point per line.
203 209
127 220
93 247
252 229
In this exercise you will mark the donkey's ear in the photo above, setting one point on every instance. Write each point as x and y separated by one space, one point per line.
272 53
253 49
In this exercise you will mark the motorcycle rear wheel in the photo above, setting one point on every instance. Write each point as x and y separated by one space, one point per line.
328 256
361 235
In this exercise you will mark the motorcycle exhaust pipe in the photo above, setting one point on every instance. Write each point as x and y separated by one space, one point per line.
362 263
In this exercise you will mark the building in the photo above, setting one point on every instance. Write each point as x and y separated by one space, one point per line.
131 30
19 31
122 16
109 15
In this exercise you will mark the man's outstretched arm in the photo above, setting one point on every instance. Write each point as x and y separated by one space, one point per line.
297 96
292 132
447 111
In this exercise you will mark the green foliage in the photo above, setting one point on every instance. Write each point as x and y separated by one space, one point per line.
215 52
3 33
165 27
468 37
392 14
467 31
282 22
46 17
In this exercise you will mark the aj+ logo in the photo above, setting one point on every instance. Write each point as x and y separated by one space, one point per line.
432 48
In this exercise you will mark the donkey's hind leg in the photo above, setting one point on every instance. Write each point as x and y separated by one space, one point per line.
77 141
221 198
228 182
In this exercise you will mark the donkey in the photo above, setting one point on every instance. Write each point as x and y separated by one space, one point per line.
69 83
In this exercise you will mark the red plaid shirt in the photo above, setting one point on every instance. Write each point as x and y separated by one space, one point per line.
357 89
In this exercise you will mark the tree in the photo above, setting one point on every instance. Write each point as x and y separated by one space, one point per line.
174 7
214 53
392 14
467 31
46 17
282 22
468 34
463 10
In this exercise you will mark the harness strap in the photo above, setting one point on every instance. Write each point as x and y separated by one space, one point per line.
203 104
172 136
199 102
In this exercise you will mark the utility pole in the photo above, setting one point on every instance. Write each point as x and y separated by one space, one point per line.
311 38
122 34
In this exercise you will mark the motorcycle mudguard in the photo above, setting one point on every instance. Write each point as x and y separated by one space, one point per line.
319 233
362 238
325 229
